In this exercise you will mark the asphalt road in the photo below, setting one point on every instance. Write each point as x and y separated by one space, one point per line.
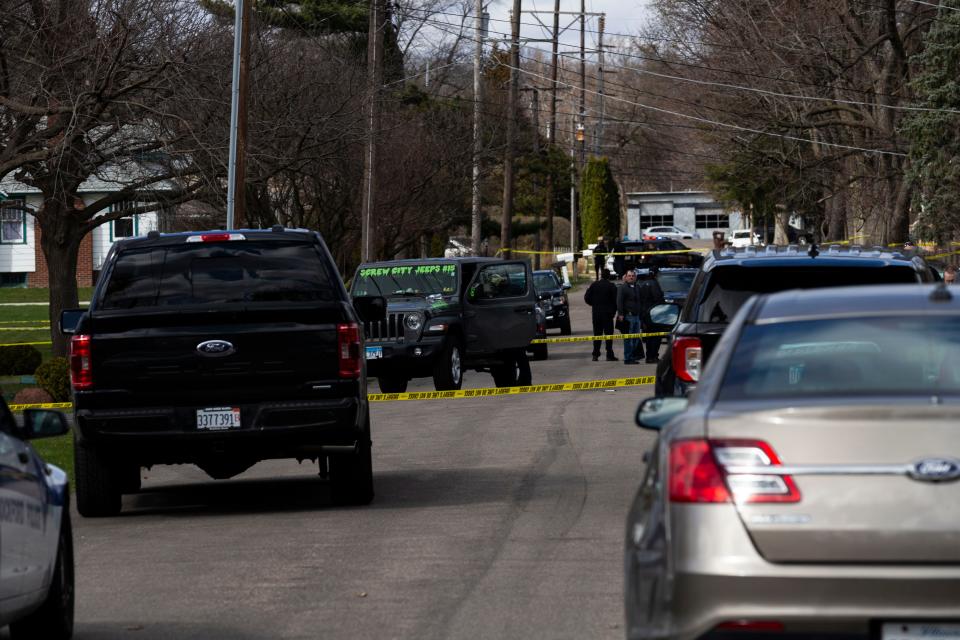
494 518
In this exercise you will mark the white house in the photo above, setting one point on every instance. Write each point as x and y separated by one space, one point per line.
690 210
21 259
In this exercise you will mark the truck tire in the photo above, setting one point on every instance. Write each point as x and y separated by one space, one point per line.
129 478
448 368
97 483
392 384
54 619
514 372
351 476
565 329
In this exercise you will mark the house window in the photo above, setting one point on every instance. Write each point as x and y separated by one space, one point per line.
13 222
8 280
648 220
713 221
125 227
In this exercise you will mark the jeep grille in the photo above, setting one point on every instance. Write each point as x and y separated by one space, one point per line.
390 328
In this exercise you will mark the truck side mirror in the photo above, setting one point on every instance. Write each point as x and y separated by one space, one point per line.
371 308
69 319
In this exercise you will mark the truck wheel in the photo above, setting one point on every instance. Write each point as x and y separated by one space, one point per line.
97 484
54 619
514 372
129 476
539 352
392 384
351 476
448 369
565 327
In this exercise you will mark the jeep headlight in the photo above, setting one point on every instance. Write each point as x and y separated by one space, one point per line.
413 321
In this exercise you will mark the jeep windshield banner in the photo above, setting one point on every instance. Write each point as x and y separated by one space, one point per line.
406 280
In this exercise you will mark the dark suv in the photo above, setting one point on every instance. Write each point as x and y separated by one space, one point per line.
448 315
552 295
728 278
675 254
219 349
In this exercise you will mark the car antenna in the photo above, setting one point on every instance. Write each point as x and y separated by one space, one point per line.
940 293
814 252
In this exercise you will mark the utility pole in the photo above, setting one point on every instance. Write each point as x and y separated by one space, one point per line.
508 178
374 82
477 115
583 83
236 171
552 125
536 154
598 136
573 200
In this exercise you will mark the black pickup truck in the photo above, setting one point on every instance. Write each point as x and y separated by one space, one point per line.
219 349
448 315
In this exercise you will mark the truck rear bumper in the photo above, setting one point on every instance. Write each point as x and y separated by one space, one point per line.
168 435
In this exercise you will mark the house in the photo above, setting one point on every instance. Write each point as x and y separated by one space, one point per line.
21 259
690 210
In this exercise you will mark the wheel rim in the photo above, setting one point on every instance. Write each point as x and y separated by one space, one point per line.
455 365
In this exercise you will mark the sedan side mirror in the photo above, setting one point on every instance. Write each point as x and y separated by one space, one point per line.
566 287
664 317
43 423
371 308
69 319
655 413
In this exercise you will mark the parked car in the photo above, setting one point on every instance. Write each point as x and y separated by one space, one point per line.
811 486
743 238
553 300
447 316
673 233
540 351
219 349
676 254
36 541
729 277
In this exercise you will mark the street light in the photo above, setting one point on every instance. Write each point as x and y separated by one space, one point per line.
580 132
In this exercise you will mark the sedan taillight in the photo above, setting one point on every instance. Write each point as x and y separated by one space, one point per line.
348 350
728 470
687 358
81 362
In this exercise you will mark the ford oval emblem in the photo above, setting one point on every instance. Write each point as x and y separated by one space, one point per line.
936 470
215 348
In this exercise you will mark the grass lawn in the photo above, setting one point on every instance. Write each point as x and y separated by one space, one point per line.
30 315
36 295
57 451
17 335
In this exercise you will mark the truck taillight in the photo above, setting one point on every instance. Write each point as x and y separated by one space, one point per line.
687 358
81 362
728 470
348 350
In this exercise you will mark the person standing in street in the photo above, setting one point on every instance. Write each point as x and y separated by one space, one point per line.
602 298
628 312
599 259
650 296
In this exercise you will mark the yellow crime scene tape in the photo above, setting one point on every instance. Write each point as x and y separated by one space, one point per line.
18 344
47 328
487 392
613 383
606 253
619 336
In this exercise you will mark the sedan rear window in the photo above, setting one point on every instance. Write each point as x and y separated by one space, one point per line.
218 273
729 287
849 356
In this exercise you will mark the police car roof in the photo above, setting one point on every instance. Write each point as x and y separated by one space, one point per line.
862 301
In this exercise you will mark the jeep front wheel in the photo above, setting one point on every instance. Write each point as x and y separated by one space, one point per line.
448 369
392 384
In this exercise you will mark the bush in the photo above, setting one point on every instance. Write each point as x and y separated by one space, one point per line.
19 360
53 376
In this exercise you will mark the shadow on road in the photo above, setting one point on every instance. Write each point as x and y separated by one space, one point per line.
154 630
403 489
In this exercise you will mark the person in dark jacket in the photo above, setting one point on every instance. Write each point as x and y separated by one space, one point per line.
651 295
629 312
602 298
599 258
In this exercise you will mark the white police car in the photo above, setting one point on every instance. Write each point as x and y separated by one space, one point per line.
36 546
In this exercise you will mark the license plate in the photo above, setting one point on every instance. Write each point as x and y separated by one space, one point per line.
374 353
918 630
218 418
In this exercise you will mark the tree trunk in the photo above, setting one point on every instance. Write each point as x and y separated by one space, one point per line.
61 233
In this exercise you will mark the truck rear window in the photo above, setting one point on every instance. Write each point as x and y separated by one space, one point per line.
219 273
